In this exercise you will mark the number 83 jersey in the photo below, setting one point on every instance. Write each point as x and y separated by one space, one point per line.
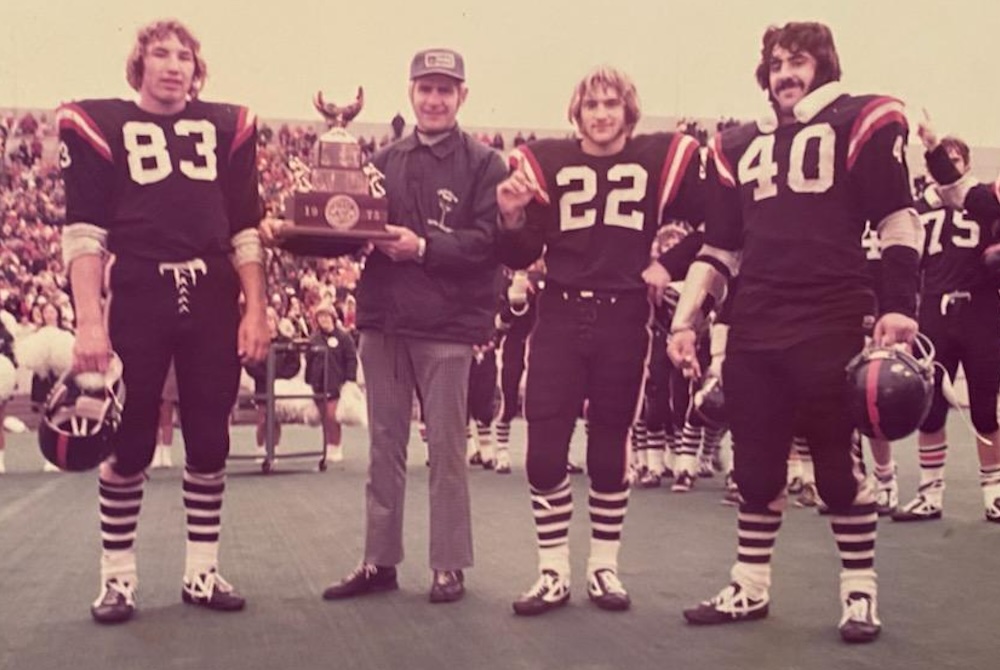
795 199
596 216
166 188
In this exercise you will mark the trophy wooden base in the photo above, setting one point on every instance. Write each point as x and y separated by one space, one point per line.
326 242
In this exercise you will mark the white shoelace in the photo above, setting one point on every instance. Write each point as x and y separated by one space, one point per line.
124 589
857 609
205 584
547 585
610 582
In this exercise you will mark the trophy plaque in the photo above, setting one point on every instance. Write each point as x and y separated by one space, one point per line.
338 200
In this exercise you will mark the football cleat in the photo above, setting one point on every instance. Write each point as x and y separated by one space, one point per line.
607 592
795 485
927 506
859 622
808 497
649 479
705 469
886 496
503 462
991 496
211 591
549 592
683 482
116 603
730 605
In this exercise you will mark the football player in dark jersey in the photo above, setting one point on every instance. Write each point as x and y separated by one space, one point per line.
161 198
593 207
515 320
960 313
788 200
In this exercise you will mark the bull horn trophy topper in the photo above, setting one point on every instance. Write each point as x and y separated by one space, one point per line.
337 200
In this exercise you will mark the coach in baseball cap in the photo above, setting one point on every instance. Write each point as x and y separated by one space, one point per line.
424 300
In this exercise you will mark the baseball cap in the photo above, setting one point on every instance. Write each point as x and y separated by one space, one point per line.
438 61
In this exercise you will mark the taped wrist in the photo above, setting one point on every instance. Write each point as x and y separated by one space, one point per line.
82 239
247 247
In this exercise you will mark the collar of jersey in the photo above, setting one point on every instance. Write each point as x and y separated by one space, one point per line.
807 108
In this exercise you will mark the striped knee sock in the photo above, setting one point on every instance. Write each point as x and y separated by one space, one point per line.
553 510
203 505
120 504
757 533
855 533
607 516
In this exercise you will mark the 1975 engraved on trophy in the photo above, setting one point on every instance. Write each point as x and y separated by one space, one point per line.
337 198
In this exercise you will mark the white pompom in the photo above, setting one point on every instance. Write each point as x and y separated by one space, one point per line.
9 322
32 354
8 379
49 349
61 349
295 410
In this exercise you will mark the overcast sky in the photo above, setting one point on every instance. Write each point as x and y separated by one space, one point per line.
523 56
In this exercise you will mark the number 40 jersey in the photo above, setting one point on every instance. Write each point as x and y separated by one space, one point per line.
596 216
166 188
795 200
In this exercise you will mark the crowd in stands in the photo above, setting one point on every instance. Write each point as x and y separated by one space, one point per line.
32 202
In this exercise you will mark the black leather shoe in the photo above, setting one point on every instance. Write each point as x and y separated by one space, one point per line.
211 591
447 587
116 604
365 579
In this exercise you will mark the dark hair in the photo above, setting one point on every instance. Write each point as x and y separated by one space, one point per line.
952 143
809 36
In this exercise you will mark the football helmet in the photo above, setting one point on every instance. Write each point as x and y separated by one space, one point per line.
890 389
81 417
708 403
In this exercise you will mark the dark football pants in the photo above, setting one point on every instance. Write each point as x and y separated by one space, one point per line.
483 388
968 333
188 313
656 408
512 369
584 348
770 394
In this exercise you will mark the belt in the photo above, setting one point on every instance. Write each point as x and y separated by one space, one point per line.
949 299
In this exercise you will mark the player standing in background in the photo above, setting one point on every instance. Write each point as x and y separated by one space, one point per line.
960 313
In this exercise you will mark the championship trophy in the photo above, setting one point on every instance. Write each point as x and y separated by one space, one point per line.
338 205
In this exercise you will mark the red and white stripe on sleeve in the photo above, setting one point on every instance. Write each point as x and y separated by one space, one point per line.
722 166
877 114
246 123
683 148
72 117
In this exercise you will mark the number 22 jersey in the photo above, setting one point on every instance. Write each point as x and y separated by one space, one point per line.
795 199
165 187
596 216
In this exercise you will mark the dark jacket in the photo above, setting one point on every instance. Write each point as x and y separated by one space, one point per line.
449 296
331 360
286 364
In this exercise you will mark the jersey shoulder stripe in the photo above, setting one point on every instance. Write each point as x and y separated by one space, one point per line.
682 149
73 118
722 165
878 113
246 126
